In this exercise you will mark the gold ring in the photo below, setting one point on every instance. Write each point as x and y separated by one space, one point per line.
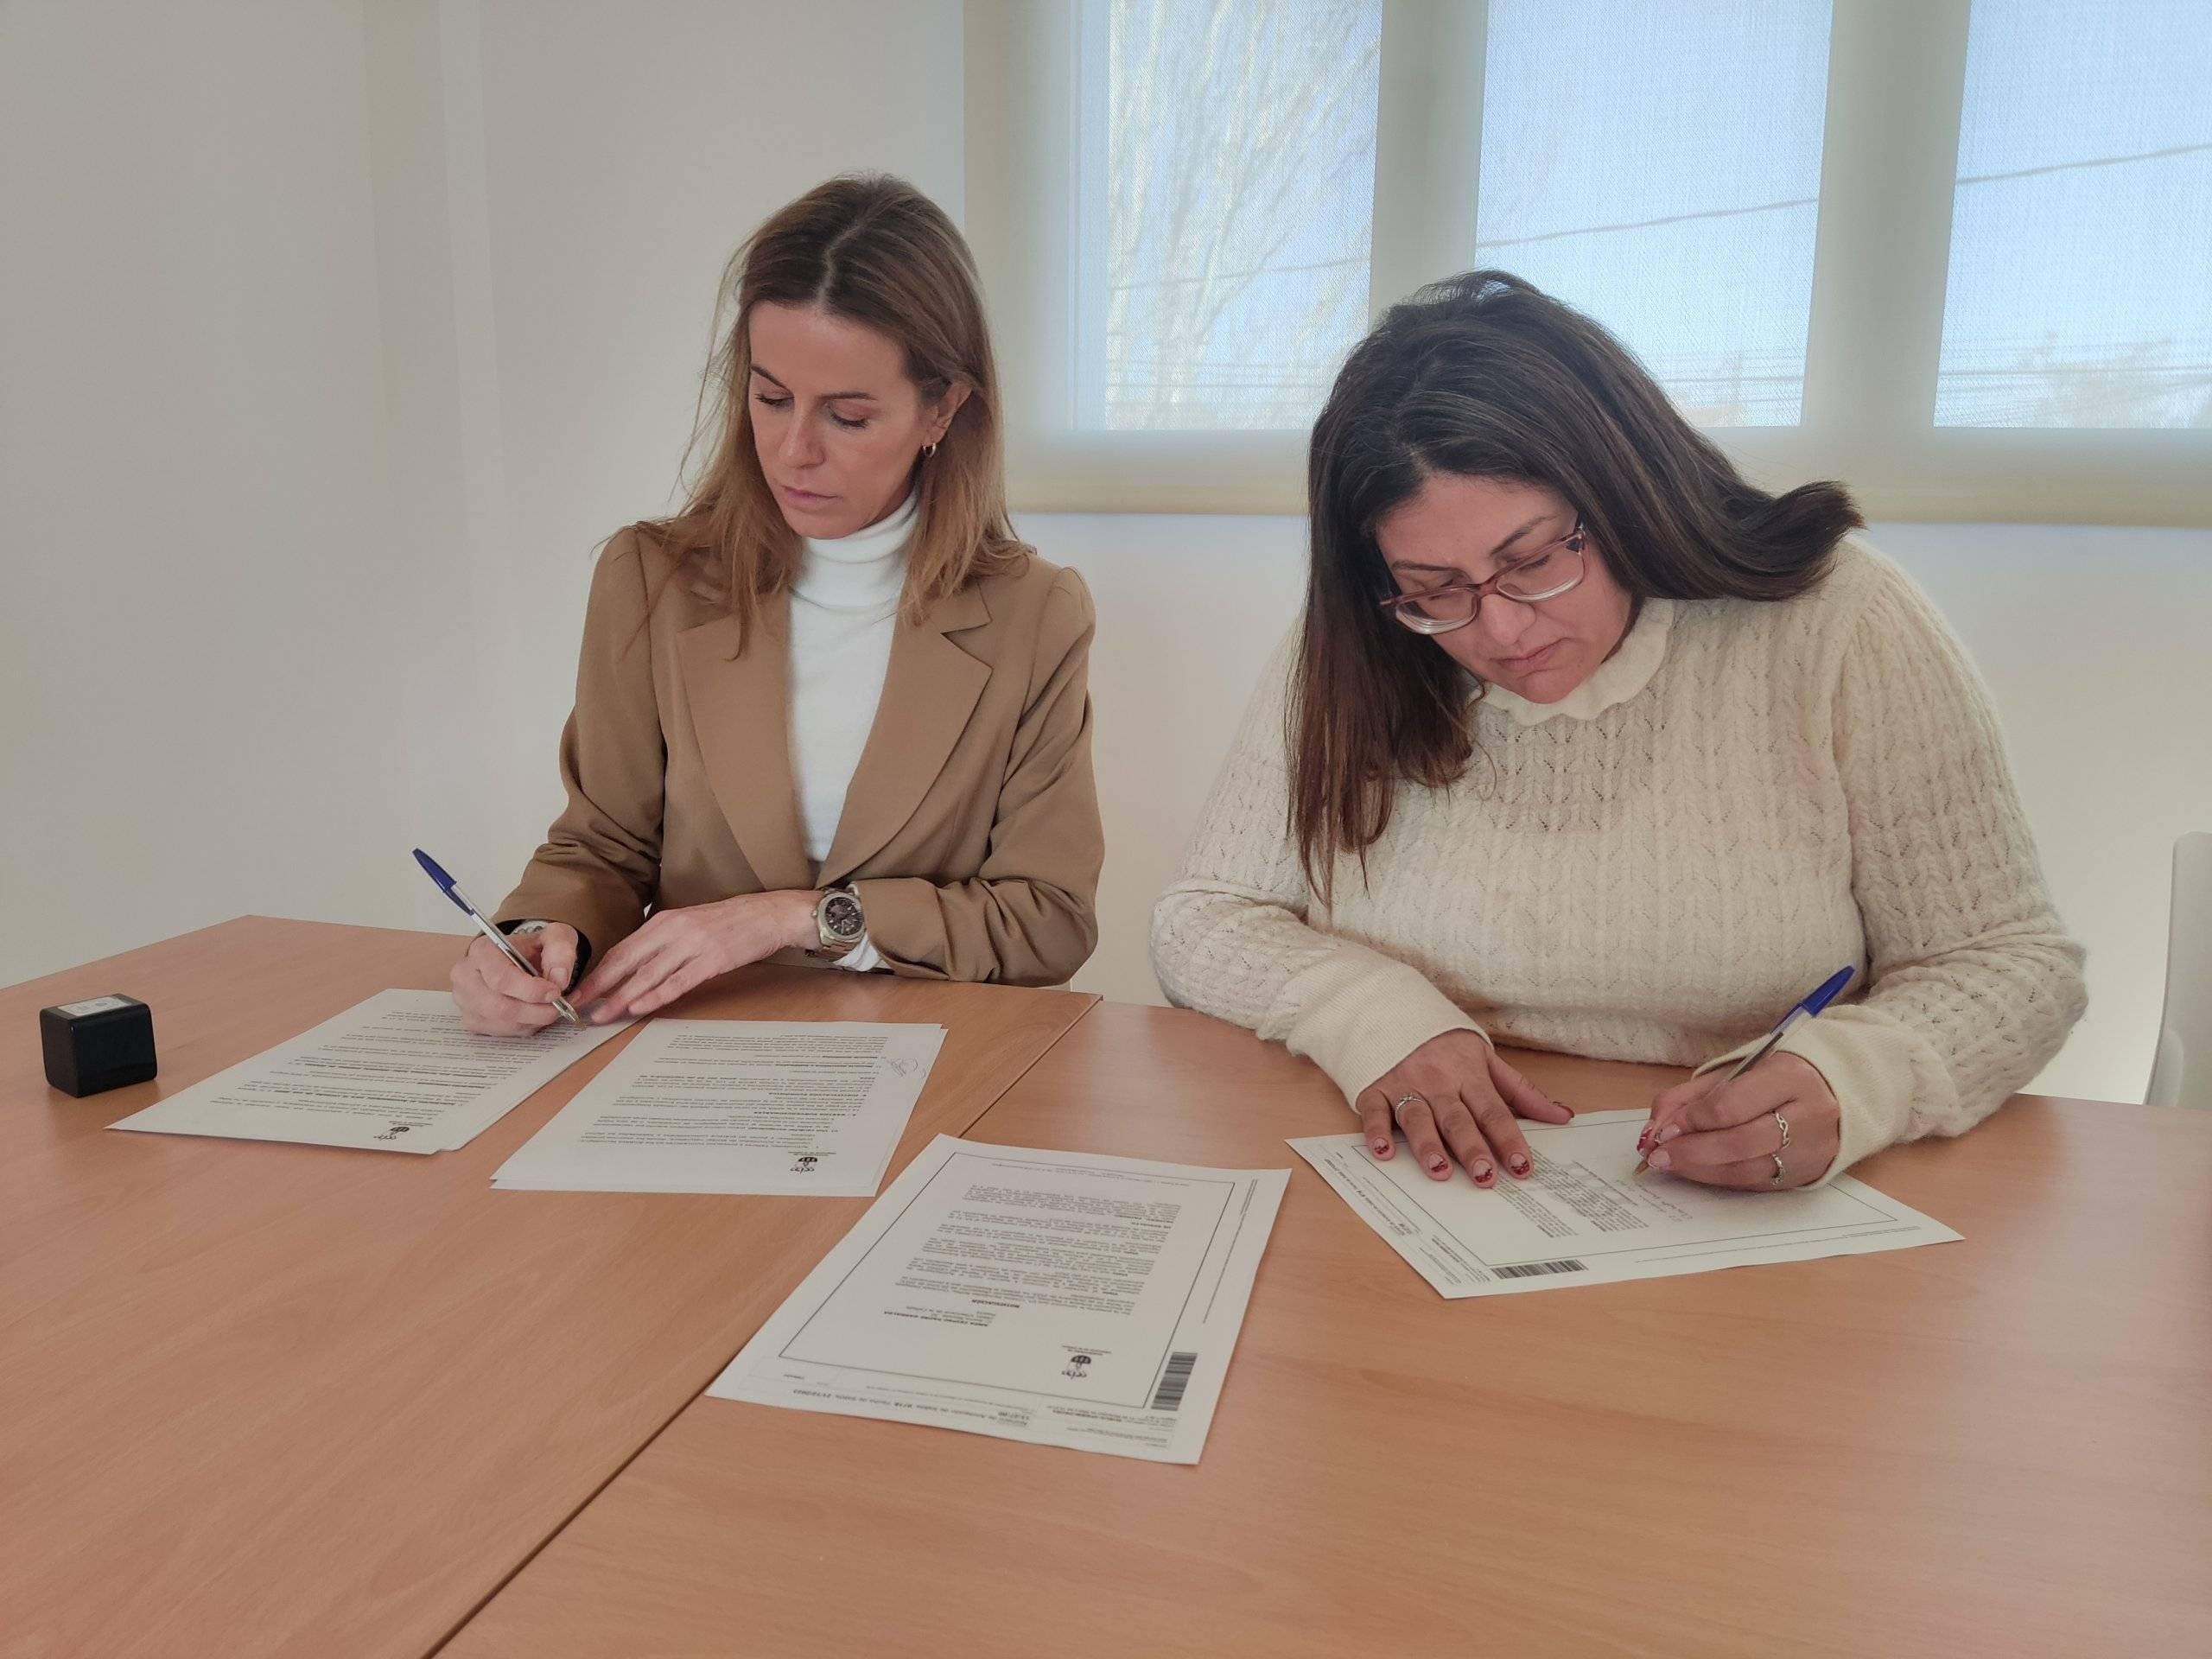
1778 1171
1783 1123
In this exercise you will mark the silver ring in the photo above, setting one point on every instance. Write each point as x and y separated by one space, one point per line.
1400 1105
1778 1171
1783 1123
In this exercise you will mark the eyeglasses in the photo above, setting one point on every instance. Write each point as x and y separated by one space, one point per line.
1554 568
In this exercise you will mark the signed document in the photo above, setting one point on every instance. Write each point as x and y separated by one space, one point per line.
1586 1217
397 1073
736 1106
1063 1298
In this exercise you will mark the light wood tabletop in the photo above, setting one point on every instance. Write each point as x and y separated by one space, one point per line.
2001 1446
266 1399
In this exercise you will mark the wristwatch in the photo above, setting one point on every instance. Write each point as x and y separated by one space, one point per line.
838 918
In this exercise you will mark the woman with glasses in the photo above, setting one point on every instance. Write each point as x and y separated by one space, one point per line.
1585 743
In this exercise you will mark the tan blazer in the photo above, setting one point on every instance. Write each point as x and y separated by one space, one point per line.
971 830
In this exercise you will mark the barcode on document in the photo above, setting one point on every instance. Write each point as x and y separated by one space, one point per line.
1173 1381
1530 1269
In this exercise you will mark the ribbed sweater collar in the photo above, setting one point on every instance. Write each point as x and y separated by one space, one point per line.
862 571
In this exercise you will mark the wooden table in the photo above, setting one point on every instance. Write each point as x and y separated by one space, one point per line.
265 1399
2001 1446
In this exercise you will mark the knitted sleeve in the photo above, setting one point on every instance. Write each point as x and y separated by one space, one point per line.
1232 937
1974 982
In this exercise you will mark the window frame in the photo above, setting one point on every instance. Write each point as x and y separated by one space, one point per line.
1897 85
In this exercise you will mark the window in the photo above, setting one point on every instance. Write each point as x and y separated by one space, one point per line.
1958 256
2081 277
1229 193
1625 169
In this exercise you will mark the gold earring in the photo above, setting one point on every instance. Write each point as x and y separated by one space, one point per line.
929 450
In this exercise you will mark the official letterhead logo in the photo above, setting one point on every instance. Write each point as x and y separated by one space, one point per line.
804 1163
1078 1367
394 1132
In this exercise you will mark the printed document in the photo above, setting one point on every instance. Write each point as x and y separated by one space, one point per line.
1063 1298
397 1073
737 1106
1586 1217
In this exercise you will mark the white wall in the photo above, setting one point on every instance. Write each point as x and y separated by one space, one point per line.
198 624
334 336
2093 641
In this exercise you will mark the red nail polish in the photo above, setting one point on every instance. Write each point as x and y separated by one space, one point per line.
1520 1166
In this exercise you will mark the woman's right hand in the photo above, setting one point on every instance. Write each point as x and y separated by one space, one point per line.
497 999
1457 1093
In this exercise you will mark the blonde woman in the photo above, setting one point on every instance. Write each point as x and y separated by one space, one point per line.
832 711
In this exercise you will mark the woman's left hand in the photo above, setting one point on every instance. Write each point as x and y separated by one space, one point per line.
1724 1134
677 950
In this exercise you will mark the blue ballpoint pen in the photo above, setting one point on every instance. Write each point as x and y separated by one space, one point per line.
452 890
1830 989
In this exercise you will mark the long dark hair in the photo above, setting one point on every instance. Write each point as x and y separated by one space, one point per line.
1485 376
874 250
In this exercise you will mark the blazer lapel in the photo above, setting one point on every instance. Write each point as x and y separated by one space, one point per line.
741 712
929 690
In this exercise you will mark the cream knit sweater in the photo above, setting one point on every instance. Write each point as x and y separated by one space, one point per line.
1744 797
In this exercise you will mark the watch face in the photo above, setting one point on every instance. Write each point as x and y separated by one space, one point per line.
841 916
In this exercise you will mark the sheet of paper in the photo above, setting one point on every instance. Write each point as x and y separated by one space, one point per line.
737 1106
1586 1217
1061 1298
397 1073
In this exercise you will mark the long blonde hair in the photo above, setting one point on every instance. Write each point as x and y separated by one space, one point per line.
873 250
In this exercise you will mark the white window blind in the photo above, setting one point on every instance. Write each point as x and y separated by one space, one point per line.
1622 168
2081 274
1228 197
1959 257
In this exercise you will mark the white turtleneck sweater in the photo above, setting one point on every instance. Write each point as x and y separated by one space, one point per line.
1738 801
844 611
